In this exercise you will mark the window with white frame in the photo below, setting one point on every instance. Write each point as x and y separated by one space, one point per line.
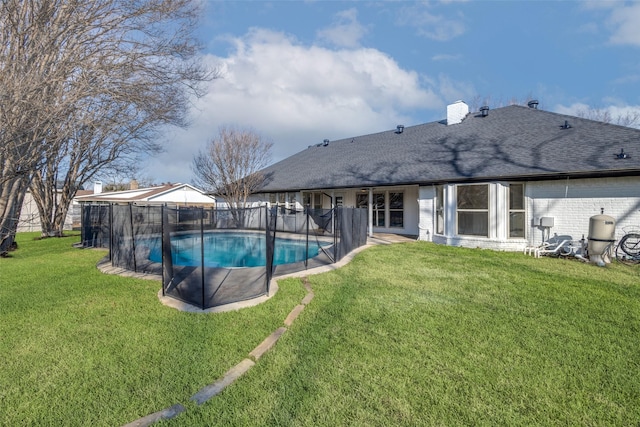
378 210
396 209
473 210
317 200
516 211
388 208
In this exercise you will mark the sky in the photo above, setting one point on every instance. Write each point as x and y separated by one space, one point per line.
299 72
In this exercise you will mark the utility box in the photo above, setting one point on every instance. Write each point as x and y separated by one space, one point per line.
546 221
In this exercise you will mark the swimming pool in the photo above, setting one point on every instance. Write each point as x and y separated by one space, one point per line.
233 249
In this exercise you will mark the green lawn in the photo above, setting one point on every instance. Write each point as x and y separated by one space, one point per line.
407 334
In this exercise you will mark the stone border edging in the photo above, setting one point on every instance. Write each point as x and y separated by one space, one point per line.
209 391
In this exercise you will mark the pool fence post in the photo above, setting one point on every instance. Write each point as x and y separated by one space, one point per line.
133 238
111 233
337 221
269 244
162 242
306 254
202 253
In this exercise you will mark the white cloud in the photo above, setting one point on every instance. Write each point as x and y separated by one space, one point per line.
614 112
628 79
625 24
427 24
298 95
446 57
574 109
453 90
345 31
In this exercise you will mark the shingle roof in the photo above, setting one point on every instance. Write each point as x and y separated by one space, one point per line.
139 194
150 194
513 142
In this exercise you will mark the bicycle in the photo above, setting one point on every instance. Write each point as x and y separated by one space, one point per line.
628 248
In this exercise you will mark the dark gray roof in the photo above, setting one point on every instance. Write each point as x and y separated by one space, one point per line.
513 142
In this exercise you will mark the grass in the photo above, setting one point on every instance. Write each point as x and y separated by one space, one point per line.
82 348
410 334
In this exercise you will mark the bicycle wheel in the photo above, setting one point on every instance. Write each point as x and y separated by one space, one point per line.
628 249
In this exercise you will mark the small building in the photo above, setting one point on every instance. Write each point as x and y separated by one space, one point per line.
30 215
496 179
174 195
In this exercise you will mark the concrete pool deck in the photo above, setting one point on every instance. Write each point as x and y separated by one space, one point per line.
209 391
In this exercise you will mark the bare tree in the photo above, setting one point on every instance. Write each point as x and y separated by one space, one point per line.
86 83
629 118
230 166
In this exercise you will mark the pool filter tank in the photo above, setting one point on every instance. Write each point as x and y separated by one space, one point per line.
602 234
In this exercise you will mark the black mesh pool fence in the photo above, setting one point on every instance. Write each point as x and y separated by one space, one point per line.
95 228
210 257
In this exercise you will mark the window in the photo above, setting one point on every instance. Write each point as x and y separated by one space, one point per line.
473 210
306 199
516 210
378 210
339 201
396 209
317 200
362 200
440 209
272 198
388 208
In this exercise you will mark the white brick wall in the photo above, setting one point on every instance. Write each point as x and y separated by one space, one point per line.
570 202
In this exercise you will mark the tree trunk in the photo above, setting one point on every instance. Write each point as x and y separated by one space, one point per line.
12 194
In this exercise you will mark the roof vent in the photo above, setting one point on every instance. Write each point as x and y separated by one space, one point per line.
533 104
456 112
484 110
399 128
622 155
325 142
566 125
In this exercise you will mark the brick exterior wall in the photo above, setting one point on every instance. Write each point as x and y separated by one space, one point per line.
569 202
572 202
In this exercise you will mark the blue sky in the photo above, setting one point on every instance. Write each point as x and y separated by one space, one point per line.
300 72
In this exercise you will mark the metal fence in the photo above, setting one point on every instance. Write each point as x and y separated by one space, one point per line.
213 257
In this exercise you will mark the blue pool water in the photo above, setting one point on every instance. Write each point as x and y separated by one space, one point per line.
231 249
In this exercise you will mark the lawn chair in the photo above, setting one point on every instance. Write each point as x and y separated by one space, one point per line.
557 246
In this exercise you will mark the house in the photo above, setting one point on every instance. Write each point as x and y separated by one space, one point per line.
29 219
174 195
498 178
